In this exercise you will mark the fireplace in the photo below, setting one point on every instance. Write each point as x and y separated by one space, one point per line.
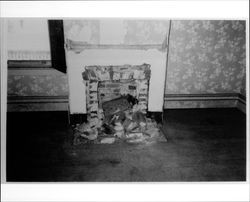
107 83
117 105
112 95
77 62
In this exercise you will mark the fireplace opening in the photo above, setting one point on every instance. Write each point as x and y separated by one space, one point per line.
109 90
117 103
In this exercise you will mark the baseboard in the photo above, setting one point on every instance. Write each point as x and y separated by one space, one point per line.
37 103
218 100
171 101
241 103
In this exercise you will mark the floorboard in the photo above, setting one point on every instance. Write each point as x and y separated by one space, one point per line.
203 145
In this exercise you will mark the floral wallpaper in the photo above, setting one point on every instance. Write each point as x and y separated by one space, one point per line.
145 31
136 32
87 31
206 56
37 85
243 88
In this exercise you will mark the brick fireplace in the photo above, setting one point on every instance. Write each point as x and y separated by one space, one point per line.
77 62
117 106
96 43
106 83
115 97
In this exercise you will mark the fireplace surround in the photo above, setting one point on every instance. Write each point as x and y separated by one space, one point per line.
106 83
117 106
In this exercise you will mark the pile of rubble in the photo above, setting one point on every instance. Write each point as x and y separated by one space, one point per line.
123 120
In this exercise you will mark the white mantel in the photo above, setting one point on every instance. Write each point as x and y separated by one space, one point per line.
77 62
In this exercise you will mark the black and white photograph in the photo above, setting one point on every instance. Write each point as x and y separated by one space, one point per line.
126 100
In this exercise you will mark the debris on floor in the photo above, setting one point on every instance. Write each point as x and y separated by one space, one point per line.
107 140
123 121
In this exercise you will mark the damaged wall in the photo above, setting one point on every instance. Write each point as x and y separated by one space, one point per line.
117 31
77 62
126 32
206 57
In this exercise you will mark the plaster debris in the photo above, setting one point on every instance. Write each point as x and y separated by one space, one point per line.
128 124
117 99
107 140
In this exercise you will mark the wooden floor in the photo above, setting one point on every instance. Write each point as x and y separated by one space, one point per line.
203 145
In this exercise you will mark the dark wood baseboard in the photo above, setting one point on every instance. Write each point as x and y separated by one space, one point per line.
37 103
217 100
171 101
205 97
26 64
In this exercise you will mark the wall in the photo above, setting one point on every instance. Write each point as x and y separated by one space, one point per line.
206 57
40 83
121 33
77 62
28 39
117 31
37 90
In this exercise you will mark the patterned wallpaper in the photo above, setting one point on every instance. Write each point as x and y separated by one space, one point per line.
145 31
136 32
87 31
243 87
37 85
206 57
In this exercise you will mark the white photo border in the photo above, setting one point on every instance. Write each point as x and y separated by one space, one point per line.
185 9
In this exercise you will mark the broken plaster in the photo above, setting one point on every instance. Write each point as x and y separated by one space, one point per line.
78 46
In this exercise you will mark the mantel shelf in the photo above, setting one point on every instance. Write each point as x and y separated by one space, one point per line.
79 46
